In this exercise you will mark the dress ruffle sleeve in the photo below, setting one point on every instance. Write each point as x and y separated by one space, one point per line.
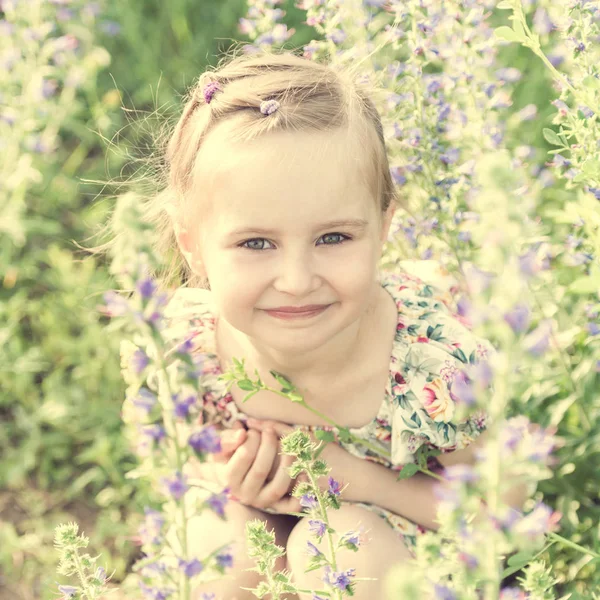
432 401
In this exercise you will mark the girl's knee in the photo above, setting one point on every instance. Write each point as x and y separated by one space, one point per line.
379 549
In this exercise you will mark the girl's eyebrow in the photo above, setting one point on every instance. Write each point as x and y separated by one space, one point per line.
353 223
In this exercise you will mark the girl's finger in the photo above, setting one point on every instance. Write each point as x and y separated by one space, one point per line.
278 487
260 469
231 440
240 462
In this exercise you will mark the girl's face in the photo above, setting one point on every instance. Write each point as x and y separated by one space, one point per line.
291 223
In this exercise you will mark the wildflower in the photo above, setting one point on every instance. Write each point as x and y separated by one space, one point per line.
538 341
217 502
542 519
462 473
115 305
443 593
155 432
308 501
462 390
146 288
334 486
176 486
518 318
350 540
182 408
312 549
151 531
68 591
340 580
224 559
145 400
100 575
513 593
468 559
317 527
207 440
191 568
139 361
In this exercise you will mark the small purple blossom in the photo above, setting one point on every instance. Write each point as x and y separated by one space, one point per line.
209 91
207 440
146 288
334 486
68 591
518 318
224 559
100 574
443 593
351 539
191 568
340 580
145 399
461 472
312 549
155 432
308 501
182 407
317 527
139 361
461 389
115 305
176 486
217 502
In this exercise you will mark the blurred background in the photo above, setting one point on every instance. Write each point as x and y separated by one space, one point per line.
96 98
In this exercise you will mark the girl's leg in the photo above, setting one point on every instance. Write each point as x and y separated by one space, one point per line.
207 531
383 548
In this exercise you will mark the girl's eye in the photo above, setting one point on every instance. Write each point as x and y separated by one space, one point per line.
254 243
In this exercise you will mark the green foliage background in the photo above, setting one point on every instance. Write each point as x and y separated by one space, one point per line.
62 456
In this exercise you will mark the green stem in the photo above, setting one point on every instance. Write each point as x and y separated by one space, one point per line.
82 576
565 542
323 510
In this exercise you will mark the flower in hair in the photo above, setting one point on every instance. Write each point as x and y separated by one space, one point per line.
209 90
268 107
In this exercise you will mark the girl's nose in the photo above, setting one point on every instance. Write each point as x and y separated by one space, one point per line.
297 276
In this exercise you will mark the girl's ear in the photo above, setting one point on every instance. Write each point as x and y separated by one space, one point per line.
188 248
387 222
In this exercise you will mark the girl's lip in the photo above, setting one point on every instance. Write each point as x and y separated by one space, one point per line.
283 314
298 309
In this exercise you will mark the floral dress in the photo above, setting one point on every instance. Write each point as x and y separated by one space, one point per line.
432 342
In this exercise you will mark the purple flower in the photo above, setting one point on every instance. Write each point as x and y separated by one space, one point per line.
308 501
469 560
450 156
461 472
541 21
224 559
510 74
110 28
587 112
461 389
518 318
541 520
115 305
207 440
191 568
317 527
217 502
176 486
337 36
182 408
593 328
340 580
68 590
312 549
100 574
139 361
334 486
443 593
513 593
155 432
146 288
145 400
538 341
351 539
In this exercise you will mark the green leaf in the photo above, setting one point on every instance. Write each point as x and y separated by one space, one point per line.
344 435
246 385
551 137
508 34
585 285
326 436
408 471
520 559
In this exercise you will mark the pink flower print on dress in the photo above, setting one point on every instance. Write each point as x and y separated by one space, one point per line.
437 401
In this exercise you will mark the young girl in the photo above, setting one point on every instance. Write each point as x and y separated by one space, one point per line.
280 201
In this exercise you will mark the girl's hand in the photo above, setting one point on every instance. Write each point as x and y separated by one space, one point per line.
247 473
341 462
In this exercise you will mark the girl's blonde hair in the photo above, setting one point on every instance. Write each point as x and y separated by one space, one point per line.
312 96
